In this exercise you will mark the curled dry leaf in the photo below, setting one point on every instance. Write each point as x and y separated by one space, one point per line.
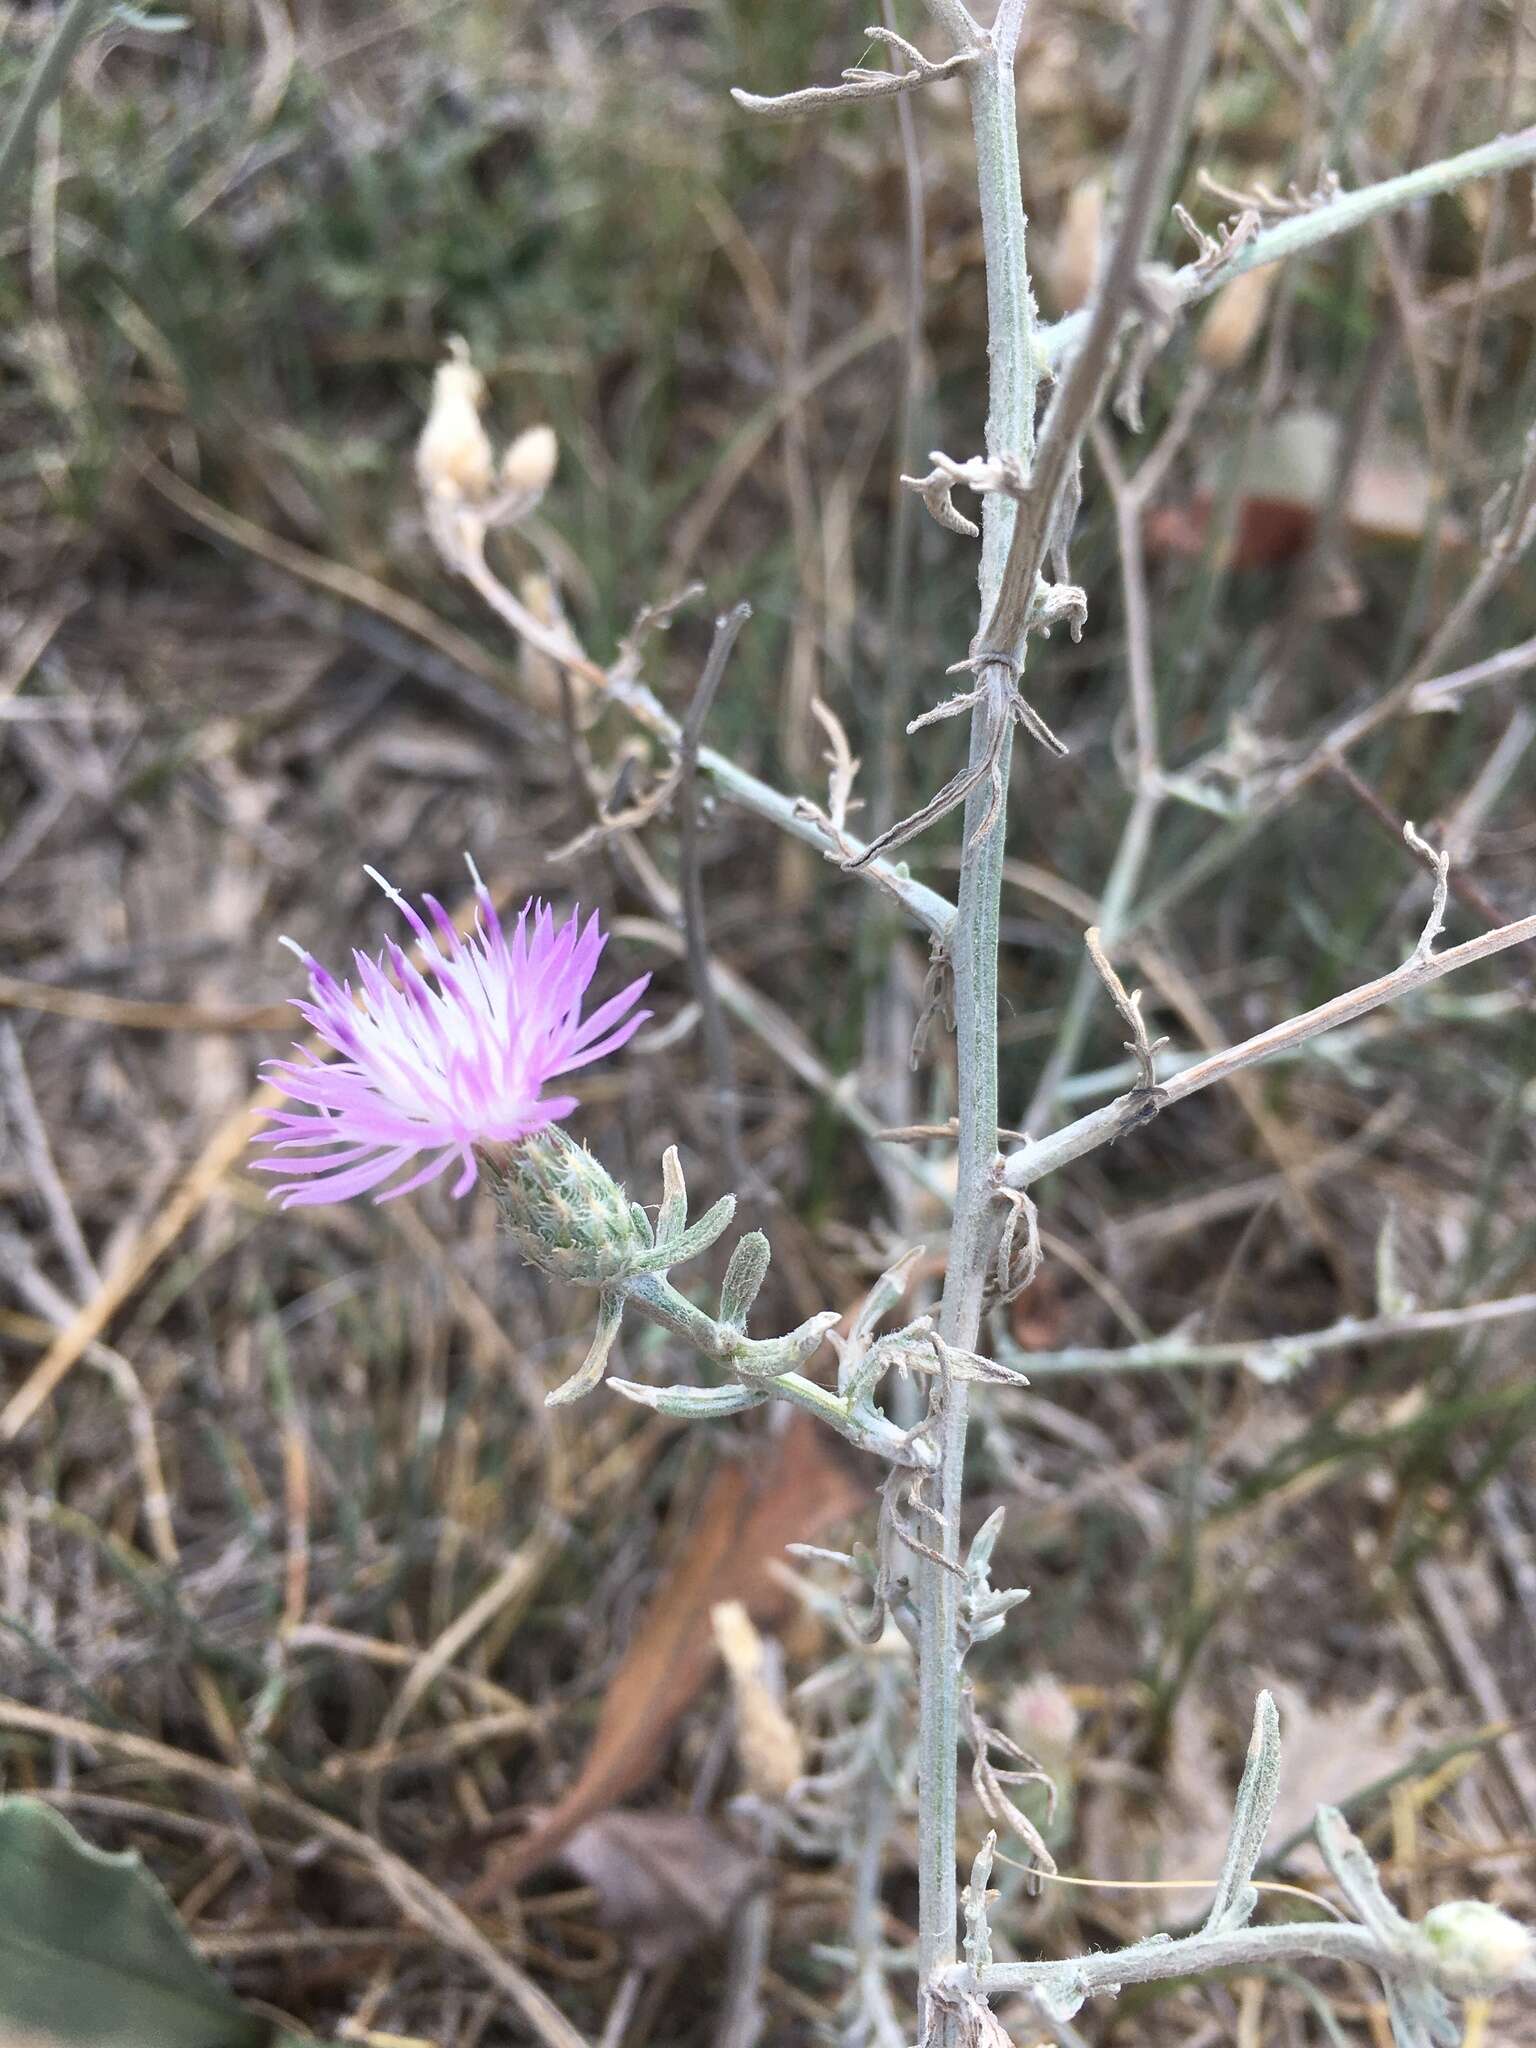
726 1548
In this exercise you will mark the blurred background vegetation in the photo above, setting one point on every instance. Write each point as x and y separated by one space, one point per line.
232 671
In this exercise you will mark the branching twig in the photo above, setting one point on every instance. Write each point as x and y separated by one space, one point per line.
858 82
1306 231
1439 865
1277 1357
1101 1126
1160 99
622 686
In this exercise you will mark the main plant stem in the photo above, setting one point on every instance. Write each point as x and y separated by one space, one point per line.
1010 430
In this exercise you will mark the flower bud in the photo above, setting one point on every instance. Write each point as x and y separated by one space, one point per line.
453 456
563 1211
528 467
1478 1948
1237 313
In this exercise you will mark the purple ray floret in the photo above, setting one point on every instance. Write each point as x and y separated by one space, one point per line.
434 1063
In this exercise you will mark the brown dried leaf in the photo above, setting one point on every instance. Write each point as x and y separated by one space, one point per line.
665 1881
797 1490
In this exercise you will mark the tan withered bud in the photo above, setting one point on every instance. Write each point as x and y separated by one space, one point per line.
543 685
453 456
1075 259
1237 313
529 463
767 1744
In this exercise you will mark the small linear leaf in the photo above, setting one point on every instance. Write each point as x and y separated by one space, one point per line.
744 1276
978 1559
1355 1874
687 1244
1235 1897
887 1291
150 24
692 1404
610 1313
673 1213
766 1358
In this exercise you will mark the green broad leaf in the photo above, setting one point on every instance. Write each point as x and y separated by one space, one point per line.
92 1954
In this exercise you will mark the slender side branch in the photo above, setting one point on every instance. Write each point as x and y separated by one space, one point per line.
717 1039
1278 1357
1445 693
1156 1960
858 83
1102 1126
1077 398
622 686
1306 231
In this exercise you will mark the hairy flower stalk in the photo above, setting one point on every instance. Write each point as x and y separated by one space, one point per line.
437 1070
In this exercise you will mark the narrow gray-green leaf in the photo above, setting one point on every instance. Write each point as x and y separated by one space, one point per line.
1355 1874
687 1244
610 1313
744 1276
1235 1896
692 1404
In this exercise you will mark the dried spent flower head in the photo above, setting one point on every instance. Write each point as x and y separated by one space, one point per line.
453 456
440 1069
528 467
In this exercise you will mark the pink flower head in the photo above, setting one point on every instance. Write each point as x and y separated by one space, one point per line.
436 1070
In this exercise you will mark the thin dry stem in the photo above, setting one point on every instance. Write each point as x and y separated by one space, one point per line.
858 82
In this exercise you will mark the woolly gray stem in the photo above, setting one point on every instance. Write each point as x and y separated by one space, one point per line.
1309 230
1102 1126
653 1296
1163 1354
1014 375
1154 1961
